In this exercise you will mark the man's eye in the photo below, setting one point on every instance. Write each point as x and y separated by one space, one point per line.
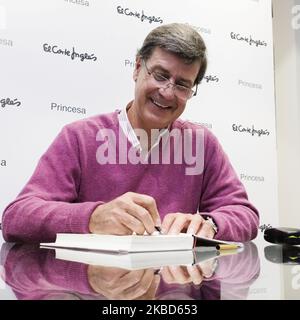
182 88
159 77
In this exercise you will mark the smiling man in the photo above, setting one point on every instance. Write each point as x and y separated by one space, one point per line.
130 170
162 89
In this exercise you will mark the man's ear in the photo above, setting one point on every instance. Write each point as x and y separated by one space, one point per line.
137 68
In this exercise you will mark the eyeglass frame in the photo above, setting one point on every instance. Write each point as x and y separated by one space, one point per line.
168 82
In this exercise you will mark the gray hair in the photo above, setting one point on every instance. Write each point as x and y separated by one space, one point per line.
179 39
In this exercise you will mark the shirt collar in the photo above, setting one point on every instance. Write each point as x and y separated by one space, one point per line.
130 133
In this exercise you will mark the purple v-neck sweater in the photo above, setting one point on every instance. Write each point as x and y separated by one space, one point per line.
69 183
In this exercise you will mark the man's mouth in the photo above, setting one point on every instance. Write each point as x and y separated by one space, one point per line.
159 105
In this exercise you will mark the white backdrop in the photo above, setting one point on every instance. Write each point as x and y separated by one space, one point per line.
40 91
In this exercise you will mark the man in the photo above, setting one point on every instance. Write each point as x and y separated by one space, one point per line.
91 179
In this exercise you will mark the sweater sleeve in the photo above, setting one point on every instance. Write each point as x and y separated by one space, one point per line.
48 203
224 197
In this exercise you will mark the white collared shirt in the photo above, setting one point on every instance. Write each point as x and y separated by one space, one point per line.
131 135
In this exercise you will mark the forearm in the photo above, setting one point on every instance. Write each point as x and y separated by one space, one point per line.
32 219
235 222
225 199
49 203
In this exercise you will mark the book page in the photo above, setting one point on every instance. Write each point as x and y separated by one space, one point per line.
132 243
136 243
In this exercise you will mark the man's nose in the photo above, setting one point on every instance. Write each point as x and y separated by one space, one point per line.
167 91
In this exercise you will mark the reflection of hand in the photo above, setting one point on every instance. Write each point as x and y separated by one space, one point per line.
174 223
187 274
116 283
131 212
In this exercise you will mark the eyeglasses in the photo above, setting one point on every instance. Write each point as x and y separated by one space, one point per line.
161 81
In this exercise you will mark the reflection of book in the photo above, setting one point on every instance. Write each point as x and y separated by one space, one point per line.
136 243
138 260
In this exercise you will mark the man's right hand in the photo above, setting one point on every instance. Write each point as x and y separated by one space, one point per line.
131 212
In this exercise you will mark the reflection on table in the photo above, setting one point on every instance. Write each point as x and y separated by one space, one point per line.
35 273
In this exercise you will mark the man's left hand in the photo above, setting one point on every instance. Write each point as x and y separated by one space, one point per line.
174 223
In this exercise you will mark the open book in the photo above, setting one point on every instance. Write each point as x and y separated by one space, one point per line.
138 243
140 260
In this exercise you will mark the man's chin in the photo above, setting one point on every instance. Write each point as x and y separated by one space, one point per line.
158 120
151 124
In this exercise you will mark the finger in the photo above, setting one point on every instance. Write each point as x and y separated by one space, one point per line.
180 223
195 274
129 280
208 267
141 287
131 222
167 275
195 224
167 222
106 219
143 215
149 204
206 230
180 274
104 279
150 294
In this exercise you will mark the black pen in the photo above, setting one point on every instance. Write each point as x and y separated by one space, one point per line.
158 228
